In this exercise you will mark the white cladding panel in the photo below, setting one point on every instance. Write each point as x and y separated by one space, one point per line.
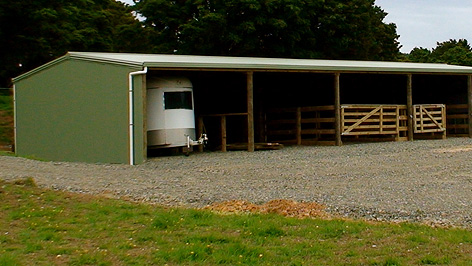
179 118
155 109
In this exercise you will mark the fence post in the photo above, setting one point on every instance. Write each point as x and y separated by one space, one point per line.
397 123
299 125
444 121
223 132
200 132
381 116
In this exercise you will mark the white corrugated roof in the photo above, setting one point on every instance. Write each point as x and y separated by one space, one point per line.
253 63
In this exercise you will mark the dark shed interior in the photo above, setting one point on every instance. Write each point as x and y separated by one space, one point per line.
221 92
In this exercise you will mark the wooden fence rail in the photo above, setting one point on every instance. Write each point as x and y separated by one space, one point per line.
223 131
301 125
316 125
457 120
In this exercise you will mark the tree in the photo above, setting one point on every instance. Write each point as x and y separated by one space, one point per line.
333 29
34 32
420 55
355 30
455 52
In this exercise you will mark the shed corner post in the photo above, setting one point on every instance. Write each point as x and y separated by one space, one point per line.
131 119
145 125
409 105
250 110
337 109
469 103
15 119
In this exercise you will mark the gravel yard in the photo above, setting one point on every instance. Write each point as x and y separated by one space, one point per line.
425 181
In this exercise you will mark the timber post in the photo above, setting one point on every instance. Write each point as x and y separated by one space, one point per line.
250 110
200 131
409 105
337 109
469 103
223 133
259 119
298 123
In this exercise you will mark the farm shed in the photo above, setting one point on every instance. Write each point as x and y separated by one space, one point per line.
91 107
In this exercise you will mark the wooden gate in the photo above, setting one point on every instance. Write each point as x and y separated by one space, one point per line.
429 118
368 120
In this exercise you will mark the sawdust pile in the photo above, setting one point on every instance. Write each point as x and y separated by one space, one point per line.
287 208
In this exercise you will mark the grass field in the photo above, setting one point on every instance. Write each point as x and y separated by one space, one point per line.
6 119
44 227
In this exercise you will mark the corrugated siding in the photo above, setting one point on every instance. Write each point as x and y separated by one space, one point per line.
74 111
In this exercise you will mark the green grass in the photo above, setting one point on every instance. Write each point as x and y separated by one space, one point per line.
6 103
56 228
6 153
6 119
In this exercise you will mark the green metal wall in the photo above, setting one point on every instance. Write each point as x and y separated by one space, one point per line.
77 111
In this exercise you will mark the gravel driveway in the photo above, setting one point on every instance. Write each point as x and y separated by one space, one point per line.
425 181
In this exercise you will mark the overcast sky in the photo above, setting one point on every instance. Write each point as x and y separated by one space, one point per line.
423 23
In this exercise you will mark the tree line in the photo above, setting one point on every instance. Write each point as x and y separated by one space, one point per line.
455 52
35 32
332 29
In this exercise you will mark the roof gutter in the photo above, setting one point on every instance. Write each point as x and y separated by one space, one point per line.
131 112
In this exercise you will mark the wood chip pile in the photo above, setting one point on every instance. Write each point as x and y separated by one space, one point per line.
287 208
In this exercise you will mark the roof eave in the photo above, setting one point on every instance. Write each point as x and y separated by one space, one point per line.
74 55
40 68
313 68
81 56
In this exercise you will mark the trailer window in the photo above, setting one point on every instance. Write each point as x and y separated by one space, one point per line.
178 100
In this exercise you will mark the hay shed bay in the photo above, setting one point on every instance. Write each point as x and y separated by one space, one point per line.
92 107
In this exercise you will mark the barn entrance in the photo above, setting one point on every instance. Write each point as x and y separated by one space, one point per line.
236 108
